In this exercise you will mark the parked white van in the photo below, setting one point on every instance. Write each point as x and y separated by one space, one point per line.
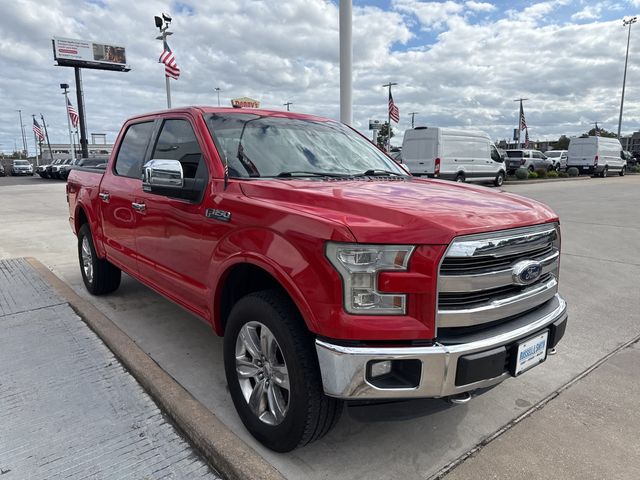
450 154
597 155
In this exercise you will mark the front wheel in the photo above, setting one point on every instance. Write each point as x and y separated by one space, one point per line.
623 171
99 275
460 177
273 374
499 180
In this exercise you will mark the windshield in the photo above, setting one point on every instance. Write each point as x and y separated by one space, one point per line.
267 146
20 162
553 154
514 153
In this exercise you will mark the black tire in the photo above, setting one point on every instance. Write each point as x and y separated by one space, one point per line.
310 413
499 180
605 172
460 177
623 171
104 276
531 169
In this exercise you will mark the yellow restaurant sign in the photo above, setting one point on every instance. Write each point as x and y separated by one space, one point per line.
245 102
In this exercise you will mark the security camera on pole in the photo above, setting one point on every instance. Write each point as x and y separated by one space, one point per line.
171 69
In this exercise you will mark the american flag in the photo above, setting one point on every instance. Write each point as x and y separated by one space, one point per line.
523 122
394 113
167 57
73 114
37 130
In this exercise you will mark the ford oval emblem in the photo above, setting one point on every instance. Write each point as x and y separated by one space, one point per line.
526 272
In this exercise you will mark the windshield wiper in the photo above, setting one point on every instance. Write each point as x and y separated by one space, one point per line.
376 172
305 173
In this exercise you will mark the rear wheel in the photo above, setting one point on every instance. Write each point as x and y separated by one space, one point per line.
273 374
499 180
460 177
623 171
99 275
605 172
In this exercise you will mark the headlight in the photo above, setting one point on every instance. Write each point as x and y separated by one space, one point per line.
359 265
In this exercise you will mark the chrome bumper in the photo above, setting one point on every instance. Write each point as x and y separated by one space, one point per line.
343 368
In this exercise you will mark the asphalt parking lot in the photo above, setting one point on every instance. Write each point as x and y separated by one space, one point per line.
405 440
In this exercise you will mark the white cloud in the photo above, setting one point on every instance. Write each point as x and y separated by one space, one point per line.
590 12
461 75
479 6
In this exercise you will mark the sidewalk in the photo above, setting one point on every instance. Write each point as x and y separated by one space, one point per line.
590 431
68 409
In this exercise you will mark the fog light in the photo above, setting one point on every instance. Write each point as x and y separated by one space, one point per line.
380 368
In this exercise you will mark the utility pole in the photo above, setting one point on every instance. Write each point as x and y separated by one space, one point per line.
163 25
346 64
628 21
65 87
24 139
413 114
81 114
288 104
217 89
389 85
46 134
520 115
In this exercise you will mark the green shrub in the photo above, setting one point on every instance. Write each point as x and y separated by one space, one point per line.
636 169
522 173
563 174
533 175
573 172
541 172
552 174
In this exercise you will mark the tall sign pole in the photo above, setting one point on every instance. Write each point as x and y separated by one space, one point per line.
346 61
84 146
625 22
46 134
65 87
389 85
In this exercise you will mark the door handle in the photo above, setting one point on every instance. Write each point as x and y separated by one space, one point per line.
139 207
104 196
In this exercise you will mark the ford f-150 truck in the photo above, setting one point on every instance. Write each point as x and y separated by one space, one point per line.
332 273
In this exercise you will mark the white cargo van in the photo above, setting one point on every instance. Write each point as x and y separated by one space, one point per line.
458 155
597 155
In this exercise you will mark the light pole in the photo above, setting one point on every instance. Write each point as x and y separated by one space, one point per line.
65 88
346 65
626 21
217 89
288 104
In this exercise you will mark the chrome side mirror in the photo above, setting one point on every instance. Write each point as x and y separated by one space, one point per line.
162 175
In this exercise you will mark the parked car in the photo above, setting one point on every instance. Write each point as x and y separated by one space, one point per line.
632 161
21 167
92 162
48 168
527 158
558 157
332 273
459 155
56 169
596 155
2 172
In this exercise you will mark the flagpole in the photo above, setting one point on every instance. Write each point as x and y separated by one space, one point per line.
520 114
46 134
66 106
389 85
35 140
163 25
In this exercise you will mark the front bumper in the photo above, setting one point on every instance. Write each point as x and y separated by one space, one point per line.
344 368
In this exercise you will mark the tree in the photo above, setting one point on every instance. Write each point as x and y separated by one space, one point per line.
383 134
603 133
562 143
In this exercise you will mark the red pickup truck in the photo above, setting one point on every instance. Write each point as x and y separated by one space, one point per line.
332 273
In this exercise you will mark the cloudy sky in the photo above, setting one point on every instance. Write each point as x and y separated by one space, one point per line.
457 62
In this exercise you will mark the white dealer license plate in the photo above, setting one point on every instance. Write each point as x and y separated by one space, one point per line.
531 352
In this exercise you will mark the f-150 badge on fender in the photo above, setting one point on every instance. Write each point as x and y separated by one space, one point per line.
218 214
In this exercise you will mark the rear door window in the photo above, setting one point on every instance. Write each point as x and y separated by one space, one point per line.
132 150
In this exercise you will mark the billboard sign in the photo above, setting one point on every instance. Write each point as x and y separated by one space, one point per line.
85 54
245 102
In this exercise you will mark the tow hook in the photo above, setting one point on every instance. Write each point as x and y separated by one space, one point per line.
460 398
553 351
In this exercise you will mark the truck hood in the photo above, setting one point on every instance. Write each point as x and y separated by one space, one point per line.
404 211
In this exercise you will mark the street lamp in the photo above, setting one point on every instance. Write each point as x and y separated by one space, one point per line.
625 21
217 89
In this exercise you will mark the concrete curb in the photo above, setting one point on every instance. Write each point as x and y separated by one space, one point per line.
544 180
226 452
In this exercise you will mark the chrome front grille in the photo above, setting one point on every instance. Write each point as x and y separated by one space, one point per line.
479 281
